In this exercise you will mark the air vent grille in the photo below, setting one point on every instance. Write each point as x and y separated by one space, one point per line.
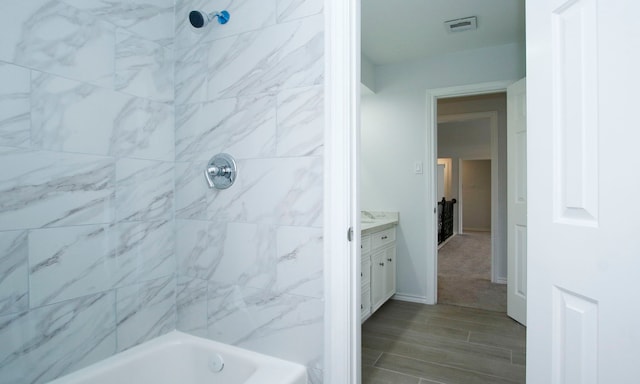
459 25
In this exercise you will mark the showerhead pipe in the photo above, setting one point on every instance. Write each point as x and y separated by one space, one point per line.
199 19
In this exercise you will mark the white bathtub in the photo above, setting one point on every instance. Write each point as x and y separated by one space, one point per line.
181 358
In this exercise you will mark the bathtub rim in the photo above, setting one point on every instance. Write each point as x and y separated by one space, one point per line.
270 369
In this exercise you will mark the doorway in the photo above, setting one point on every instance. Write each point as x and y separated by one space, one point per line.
471 131
342 101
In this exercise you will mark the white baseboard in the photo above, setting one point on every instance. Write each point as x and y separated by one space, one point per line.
410 298
471 229
501 280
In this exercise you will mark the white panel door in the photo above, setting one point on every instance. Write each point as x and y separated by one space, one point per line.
517 201
583 137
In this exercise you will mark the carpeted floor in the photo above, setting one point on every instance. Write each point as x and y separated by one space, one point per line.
464 273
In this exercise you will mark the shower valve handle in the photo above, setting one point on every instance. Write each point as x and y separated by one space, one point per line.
221 171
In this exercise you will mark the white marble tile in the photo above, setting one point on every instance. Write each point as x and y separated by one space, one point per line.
232 253
315 375
51 36
14 275
301 122
191 190
145 129
286 191
191 298
249 256
145 311
68 262
245 15
15 123
244 127
283 56
143 68
150 19
47 189
199 247
144 190
285 326
145 251
294 9
300 261
71 116
191 75
51 341
12 340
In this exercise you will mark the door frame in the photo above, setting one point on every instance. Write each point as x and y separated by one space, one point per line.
495 236
342 337
431 161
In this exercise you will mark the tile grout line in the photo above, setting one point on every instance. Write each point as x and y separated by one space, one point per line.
377 359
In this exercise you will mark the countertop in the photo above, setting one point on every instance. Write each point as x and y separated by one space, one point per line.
370 221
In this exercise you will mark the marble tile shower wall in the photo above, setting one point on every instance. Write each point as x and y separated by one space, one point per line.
87 150
250 258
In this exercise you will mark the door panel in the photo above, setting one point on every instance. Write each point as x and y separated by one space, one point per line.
390 272
517 202
583 247
377 279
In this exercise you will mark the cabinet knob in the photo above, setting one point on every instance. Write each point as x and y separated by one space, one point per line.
384 237
389 260
361 274
382 264
361 306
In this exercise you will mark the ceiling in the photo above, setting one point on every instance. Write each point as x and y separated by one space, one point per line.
401 30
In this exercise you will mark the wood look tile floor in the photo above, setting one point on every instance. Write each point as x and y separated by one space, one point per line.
409 343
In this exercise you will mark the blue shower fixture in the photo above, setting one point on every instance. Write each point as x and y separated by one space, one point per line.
199 19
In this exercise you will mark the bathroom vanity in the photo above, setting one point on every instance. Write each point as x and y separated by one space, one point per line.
378 260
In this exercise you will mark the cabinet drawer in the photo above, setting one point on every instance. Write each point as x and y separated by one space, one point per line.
365 273
365 244
382 238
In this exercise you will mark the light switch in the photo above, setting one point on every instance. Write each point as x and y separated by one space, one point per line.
417 168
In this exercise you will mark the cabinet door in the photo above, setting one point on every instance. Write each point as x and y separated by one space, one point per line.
365 306
377 279
389 272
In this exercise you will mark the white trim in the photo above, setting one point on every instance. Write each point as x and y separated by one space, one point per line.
410 298
460 198
493 122
341 210
431 161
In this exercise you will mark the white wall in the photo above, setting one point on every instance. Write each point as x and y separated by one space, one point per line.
465 139
393 139
367 74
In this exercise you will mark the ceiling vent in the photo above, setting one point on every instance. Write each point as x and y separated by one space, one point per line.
459 25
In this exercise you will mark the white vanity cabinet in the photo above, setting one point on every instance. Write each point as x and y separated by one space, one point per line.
365 277
378 268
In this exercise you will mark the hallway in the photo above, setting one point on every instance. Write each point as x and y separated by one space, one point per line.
410 343
464 273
